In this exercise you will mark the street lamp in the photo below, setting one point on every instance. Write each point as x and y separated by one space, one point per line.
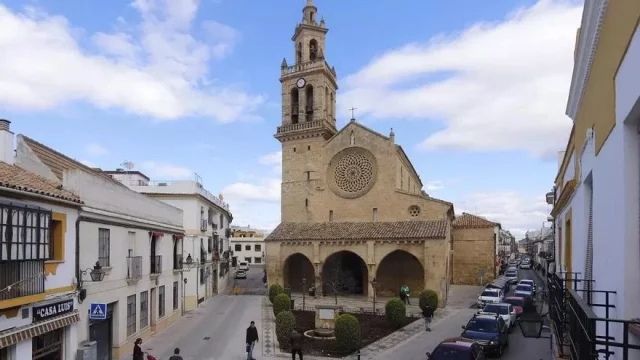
374 286
96 273
189 265
304 288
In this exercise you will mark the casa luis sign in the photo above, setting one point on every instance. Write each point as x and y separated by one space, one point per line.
45 312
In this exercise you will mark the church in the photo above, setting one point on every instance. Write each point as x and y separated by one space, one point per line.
354 216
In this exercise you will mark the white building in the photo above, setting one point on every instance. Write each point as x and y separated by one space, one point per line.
134 238
247 244
596 207
206 221
38 306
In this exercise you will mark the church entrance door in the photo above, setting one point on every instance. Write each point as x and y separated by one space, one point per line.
344 272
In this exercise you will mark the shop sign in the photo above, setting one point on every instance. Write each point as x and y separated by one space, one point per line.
45 312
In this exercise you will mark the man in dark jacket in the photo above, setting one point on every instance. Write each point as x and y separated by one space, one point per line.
427 314
252 339
296 344
176 354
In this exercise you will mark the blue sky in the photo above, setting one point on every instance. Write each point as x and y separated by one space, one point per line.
475 91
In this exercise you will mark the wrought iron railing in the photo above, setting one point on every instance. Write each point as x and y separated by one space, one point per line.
580 333
156 264
21 278
178 262
134 267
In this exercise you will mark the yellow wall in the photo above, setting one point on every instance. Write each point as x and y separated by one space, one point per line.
59 230
19 301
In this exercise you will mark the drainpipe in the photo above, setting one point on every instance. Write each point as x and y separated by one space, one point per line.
78 275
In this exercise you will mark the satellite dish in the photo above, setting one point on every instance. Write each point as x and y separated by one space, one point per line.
128 165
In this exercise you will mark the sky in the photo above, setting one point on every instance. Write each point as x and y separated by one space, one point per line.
475 91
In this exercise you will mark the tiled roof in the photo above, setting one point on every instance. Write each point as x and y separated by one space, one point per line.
433 229
17 178
472 221
58 162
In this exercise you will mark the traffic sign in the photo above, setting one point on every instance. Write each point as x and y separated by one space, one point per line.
98 311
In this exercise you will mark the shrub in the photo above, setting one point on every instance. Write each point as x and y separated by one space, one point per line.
281 303
347 332
285 323
396 312
274 290
428 297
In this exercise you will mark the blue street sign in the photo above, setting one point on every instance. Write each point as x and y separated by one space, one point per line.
98 311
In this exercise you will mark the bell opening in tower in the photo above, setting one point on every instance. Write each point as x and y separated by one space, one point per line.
309 104
313 50
295 104
299 53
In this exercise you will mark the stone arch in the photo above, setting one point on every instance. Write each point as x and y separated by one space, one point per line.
345 272
399 268
295 104
296 267
313 50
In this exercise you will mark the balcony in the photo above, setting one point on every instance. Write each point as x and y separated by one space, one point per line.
203 225
178 262
156 266
305 126
307 65
21 278
134 269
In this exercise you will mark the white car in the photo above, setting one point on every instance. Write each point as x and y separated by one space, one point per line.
243 266
525 265
490 296
241 274
506 311
529 282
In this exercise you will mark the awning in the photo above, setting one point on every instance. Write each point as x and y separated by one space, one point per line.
26 332
178 236
156 233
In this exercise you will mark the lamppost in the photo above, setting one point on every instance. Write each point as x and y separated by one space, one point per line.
374 286
97 275
188 263
304 287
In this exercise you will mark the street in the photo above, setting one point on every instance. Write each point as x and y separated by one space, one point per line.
252 285
520 348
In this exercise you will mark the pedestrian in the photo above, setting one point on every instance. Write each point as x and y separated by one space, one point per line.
252 339
176 354
296 344
427 314
405 291
138 354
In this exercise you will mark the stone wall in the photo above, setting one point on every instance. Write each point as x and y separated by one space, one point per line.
473 249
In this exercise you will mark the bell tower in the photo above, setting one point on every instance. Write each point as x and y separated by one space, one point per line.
309 88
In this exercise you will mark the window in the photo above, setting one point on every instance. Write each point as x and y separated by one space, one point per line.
144 309
330 215
257 260
294 149
57 232
375 214
257 247
104 247
25 233
238 247
202 273
309 147
248 260
221 221
161 298
306 202
131 315
247 247
47 346
175 295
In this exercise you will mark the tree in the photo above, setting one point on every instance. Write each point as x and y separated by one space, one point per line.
338 280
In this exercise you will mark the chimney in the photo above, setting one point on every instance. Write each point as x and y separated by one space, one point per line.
6 142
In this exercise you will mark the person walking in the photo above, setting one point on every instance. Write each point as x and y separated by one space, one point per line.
427 314
405 290
176 354
138 354
296 344
252 339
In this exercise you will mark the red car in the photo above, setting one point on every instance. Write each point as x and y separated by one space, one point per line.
521 304
457 349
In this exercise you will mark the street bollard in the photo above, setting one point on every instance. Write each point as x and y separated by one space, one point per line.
358 354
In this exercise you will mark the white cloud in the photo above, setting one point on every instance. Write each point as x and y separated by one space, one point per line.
267 190
516 213
164 171
153 68
274 161
96 149
496 86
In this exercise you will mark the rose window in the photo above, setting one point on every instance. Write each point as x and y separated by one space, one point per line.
414 210
352 172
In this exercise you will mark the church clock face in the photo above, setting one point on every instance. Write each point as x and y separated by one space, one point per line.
301 82
352 172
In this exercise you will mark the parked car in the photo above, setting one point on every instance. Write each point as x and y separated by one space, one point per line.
490 331
524 290
522 302
525 265
529 282
490 296
457 348
512 275
504 310
241 274
501 283
243 266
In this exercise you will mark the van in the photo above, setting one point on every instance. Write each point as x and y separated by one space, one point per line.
243 266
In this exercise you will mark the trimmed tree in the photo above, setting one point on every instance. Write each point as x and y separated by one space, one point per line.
285 323
281 303
396 312
274 290
428 297
347 331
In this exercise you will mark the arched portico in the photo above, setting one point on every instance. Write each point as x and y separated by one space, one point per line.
399 268
345 272
296 267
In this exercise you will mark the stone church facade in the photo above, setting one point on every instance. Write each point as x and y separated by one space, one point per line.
352 209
